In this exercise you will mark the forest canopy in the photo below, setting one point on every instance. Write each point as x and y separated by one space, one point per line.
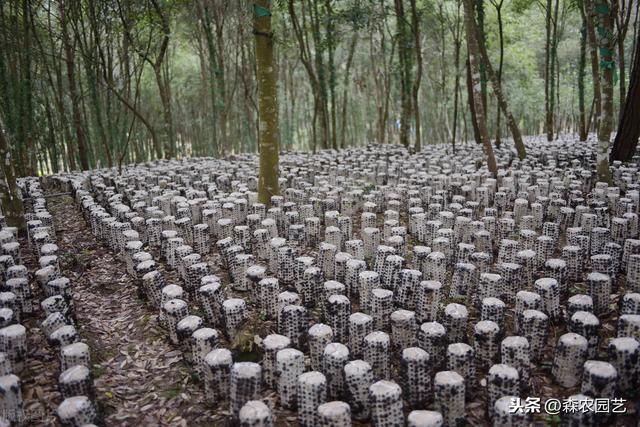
87 84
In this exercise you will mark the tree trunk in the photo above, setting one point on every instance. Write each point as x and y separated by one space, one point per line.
345 92
219 73
51 137
553 59
73 90
472 104
498 6
456 90
502 102
582 119
626 140
415 25
442 112
27 94
331 41
12 207
205 19
622 74
548 122
164 89
266 77
474 63
405 72
622 19
482 43
313 64
593 50
607 66
70 158
321 89
456 86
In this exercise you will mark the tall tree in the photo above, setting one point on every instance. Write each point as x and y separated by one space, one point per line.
482 43
502 103
497 4
76 106
345 92
595 66
415 28
404 68
471 99
583 127
10 197
381 53
626 140
474 65
331 45
157 21
553 67
622 15
161 72
266 76
551 48
27 110
215 70
311 55
455 27
607 65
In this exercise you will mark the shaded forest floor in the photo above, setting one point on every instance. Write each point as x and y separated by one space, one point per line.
139 378
142 380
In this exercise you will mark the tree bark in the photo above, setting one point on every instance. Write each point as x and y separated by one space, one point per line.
73 90
482 43
626 140
472 104
331 41
205 19
415 25
548 60
502 102
593 50
474 63
219 62
622 19
345 92
405 72
12 207
607 65
321 72
312 61
456 86
442 112
582 63
498 6
266 77
27 112
553 77
164 90
161 73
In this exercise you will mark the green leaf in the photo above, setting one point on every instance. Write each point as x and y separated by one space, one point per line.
261 11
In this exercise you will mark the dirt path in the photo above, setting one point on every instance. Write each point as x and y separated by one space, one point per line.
140 378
